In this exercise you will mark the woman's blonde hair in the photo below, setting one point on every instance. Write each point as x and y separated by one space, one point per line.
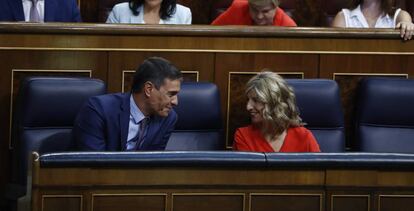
280 110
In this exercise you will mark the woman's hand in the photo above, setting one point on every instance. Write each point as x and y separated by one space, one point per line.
406 29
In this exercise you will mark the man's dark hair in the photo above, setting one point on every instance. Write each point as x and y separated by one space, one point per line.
166 11
155 70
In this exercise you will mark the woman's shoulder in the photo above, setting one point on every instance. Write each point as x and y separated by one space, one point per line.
182 15
182 10
121 6
299 131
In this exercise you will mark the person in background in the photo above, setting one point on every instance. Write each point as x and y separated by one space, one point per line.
275 122
150 12
254 12
39 10
375 14
140 120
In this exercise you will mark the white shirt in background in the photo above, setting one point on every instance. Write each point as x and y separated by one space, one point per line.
355 19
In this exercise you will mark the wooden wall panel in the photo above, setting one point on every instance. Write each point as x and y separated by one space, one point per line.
208 202
140 202
62 203
350 202
291 202
203 63
288 64
395 202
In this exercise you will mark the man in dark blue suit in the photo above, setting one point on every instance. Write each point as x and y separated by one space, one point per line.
53 10
140 120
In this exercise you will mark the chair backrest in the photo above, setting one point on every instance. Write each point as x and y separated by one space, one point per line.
385 115
320 108
199 125
43 119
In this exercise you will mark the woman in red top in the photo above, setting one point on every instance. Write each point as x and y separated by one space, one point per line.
254 12
276 125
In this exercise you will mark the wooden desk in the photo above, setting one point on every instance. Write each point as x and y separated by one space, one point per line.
164 185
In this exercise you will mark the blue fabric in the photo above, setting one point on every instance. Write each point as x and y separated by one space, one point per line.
228 159
341 160
319 105
164 158
102 125
385 115
199 125
55 11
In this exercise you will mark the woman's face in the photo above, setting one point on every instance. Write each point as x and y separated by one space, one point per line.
255 108
262 14
153 3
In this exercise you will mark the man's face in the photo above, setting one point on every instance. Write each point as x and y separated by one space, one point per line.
163 99
262 14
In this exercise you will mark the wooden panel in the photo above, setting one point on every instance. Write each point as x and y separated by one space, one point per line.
121 61
236 102
288 202
62 203
395 202
144 202
350 202
216 202
289 64
348 70
178 176
89 10
331 64
359 178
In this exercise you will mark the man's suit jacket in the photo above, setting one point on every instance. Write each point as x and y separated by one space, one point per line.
103 122
55 11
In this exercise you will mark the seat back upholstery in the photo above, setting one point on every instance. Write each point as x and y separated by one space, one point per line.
320 108
199 125
44 114
385 115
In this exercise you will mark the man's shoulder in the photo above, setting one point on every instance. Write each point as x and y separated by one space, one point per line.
109 99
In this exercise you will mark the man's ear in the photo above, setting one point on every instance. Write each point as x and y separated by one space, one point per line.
148 87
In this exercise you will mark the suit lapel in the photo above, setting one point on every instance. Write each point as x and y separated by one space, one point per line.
50 7
124 119
17 8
